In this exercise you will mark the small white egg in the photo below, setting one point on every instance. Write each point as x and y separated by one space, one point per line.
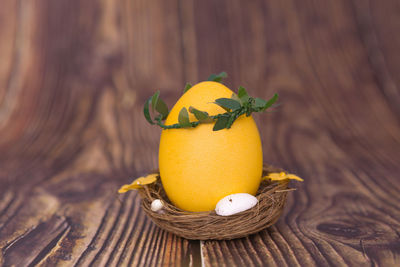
156 205
235 203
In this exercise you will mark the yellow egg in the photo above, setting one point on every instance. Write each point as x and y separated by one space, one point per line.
199 166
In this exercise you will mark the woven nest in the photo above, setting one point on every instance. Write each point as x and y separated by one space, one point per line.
208 225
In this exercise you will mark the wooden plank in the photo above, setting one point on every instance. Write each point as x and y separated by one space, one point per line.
378 28
72 131
74 76
336 129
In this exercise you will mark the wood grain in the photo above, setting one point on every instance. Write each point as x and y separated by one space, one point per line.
74 76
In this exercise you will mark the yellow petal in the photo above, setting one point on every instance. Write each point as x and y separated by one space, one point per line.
149 179
275 176
294 177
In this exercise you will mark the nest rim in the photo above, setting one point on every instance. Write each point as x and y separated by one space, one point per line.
207 225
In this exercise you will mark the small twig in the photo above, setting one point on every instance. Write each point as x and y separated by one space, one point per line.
286 190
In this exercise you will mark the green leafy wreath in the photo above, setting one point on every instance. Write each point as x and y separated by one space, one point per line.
239 104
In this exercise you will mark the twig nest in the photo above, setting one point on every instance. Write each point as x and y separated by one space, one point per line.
271 198
235 203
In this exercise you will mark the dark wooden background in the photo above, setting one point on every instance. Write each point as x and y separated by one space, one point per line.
75 74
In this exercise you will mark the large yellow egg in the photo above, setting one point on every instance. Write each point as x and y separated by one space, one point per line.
199 166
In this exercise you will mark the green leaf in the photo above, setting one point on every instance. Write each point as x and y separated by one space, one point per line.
221 123
200 115
235 97
217 77
162 108
187 87
259 103
231 119
243 95
147 112
183 118
158 104
249 111
154 100
228 103
271 102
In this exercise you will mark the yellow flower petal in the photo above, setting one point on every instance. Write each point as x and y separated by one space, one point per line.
294 177
139 182
275 176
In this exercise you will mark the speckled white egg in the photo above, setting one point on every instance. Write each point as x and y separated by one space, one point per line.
235 203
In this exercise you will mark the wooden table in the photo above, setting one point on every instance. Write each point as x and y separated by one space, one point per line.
73 79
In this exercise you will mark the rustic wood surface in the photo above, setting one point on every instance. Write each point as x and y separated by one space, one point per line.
73 78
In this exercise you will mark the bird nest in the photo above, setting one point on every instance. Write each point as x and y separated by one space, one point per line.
271 197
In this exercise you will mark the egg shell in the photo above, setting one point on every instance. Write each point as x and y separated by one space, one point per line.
235 203
156 205
199 166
